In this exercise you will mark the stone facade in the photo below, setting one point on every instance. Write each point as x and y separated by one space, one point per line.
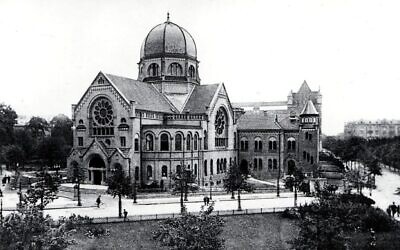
167 121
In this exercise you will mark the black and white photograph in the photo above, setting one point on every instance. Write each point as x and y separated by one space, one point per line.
200 125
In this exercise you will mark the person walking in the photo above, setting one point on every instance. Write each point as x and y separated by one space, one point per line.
125 214
393 208
98 201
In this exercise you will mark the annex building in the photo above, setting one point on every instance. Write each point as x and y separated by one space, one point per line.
167 120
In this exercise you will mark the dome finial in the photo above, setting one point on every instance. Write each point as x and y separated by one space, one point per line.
167 16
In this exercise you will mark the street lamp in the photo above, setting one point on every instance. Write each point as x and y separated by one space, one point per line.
210 187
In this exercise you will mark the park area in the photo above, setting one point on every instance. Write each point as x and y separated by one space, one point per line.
259 231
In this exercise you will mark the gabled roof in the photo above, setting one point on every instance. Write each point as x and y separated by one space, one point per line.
144 94
304 88
309 109
200 99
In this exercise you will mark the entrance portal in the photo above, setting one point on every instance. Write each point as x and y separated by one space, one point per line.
97 177
97 167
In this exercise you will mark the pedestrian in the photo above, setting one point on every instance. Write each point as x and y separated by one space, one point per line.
393 207
205 200
98 201
389 211
125 214
4 181
1 193
398 210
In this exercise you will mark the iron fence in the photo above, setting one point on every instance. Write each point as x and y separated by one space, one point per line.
152 217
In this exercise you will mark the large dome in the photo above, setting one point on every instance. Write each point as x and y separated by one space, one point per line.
168 39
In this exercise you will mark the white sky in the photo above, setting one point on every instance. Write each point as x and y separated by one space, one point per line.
50 51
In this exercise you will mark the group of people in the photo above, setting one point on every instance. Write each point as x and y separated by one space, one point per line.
206 200
393 209
5 179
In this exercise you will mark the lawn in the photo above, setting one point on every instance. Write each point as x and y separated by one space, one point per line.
261 231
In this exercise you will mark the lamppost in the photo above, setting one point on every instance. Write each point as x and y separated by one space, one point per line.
210 187
79 191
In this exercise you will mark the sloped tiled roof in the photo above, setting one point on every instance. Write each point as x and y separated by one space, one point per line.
256 120
145 95
309 109
200 98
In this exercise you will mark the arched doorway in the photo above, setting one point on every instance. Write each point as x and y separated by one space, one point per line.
97 168
291 166
244 167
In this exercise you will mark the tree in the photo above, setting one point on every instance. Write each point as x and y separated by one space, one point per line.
45 190
119 185
191 232
77 176
29 229
13 155
61 126
235 180
38 126
8 118
23 138
53 151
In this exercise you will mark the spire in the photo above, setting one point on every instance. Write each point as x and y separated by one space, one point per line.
304 88
167 17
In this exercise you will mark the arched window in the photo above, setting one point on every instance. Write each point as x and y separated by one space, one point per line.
149 142
195 141
175 69
149 172
272 144
275 163
308 157
257 144
123 120
291 144
205 140
260 164
178 142
244 144
153 70
164 171
136 142
192 72
178 170
269 163
234 140
211 167
225 165
304 155
312 160
306 135
205 167
255 164
164 142
218 166
310 136
188 142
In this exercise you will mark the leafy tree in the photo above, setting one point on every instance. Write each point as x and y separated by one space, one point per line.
38 126
44 191
119 185
61 126
23 138
235 180
53 151
13 155
294 182
191 232
8 118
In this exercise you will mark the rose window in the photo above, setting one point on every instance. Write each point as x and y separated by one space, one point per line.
103 113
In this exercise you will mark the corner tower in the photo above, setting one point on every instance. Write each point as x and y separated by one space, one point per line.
168 60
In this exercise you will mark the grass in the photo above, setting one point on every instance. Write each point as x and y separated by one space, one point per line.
261 231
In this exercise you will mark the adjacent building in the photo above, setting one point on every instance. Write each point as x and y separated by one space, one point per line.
369 129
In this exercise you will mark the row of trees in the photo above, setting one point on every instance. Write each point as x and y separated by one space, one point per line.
38 142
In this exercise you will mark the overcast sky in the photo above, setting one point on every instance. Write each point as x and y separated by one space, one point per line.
50 51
